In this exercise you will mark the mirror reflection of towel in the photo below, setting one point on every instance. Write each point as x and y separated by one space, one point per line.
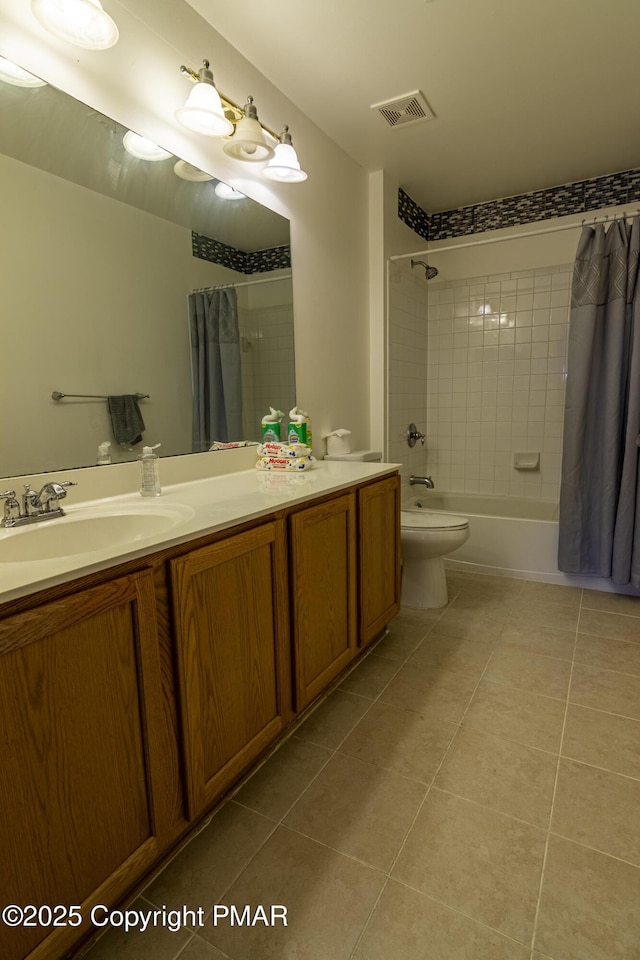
126 420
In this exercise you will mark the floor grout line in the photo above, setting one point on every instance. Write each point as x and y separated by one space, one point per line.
555 787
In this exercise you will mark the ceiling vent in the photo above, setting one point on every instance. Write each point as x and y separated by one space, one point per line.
410 108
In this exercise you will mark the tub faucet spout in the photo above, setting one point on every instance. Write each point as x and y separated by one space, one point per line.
427 481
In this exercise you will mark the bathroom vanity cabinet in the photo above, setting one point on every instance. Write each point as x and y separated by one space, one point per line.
133 699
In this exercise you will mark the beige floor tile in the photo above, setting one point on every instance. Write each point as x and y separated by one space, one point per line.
406 925
516 715
603 740
443 652
515 667
198 949
276 786
433 693
400 740
397 646
611 602
508 777
544 613
459 623
154 943
212 860
478 861
619 655
371 676
358 809
417 617
328 898
551 592
330 723
481 605
590 905
545 641
618 626
492 588
598 808
605 690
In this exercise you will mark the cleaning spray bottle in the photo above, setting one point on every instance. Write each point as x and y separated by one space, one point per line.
271 426
149 473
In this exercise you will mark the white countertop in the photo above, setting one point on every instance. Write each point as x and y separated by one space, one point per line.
203 506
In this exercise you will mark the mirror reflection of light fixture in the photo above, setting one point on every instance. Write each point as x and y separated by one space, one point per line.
248 142
81 22
187 171
142 148
284 166
12 73
203 111
226 192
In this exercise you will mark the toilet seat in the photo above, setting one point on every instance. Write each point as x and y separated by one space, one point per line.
430 520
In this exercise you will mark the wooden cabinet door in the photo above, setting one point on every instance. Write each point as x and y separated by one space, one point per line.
79 700
323 593
379 556
234 670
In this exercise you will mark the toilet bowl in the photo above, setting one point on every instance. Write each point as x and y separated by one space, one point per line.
426 538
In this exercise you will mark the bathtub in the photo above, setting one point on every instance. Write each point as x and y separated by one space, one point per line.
509 536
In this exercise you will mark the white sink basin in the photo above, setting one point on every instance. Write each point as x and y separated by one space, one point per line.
89 530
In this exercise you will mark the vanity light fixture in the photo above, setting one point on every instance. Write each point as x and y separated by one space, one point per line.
143 149
284 165
213 113
15 75
248 142
81 22
203 111
226 192
187 171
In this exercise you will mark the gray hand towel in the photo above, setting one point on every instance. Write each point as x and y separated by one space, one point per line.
126 420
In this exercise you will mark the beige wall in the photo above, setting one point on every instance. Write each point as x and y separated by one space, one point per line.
139 84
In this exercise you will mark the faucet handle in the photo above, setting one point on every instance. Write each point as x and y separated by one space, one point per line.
30 501
11 507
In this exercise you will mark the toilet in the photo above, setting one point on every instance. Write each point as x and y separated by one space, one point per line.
427 537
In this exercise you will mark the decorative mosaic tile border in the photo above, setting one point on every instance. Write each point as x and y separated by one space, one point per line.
616 189
255 261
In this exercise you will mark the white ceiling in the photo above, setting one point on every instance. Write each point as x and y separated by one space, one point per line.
526 95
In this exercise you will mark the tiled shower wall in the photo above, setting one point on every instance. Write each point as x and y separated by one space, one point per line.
495 381
478 364
268 363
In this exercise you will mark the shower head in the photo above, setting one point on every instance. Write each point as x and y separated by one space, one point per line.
429 272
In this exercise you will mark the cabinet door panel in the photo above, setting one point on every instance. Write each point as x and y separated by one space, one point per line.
379 556
77 679
323 593
231 634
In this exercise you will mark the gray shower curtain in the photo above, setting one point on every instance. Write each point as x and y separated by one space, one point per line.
600 490
215 361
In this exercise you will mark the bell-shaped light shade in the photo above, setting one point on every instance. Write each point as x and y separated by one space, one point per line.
12 73
226 192
284 166
187 171
81 22
248 141
142 148
203 112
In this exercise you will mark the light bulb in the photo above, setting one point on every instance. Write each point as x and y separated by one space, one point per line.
81 22
142 148
12 73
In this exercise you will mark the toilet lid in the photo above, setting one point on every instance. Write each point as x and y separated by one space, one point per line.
432 520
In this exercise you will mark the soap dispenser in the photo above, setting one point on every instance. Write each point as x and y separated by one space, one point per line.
149 472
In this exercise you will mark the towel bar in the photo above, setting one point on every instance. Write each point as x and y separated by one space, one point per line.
56 395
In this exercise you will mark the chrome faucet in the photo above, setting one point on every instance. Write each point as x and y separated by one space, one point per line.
35 506
427 481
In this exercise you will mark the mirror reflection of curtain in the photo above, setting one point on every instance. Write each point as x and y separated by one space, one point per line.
215 359
600 493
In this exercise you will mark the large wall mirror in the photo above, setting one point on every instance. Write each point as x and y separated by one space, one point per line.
100 252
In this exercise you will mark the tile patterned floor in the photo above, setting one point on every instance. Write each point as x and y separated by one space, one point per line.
471 791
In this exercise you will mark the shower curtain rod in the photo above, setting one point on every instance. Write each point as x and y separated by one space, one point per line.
514 236
244 283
